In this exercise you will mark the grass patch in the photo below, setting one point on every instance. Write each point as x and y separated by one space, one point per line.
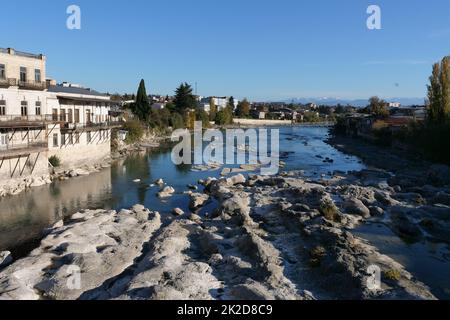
393 275
329 210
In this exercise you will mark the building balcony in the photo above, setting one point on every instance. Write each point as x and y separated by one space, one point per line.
22 149
92 126
6 83
33 85
32 121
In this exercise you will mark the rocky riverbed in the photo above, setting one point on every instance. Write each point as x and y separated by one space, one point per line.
282 237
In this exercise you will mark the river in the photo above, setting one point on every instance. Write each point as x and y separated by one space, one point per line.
24 217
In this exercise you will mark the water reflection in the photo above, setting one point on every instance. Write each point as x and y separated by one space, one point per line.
23 217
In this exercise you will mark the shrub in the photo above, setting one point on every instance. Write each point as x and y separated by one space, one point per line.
54 161
135 131
177 121
329 211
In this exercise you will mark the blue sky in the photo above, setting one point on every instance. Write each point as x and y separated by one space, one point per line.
260 49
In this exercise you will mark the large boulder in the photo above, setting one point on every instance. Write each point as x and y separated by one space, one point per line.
166 192
356 207
198 200
94 246
237 179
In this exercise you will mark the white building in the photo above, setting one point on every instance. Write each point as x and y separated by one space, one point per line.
394 105
221 102
39 119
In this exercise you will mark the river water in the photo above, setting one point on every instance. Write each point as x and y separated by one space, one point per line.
24 217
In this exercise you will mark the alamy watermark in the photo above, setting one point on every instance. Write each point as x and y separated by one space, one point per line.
229 148
374 20
73 21
74 277
373 281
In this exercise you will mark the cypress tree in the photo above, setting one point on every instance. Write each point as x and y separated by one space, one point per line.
141 108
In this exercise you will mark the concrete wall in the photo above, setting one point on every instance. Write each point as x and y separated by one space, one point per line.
21 167
256 122
14 96
81 153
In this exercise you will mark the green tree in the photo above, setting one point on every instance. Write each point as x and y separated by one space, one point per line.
225 116
243 109
445 87
177 121
231 103
439 91
184 98
202 115
141 108
378 107
212 110
434 94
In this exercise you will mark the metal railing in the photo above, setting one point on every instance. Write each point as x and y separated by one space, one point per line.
88 125
26 119
8 82
49 118
34 85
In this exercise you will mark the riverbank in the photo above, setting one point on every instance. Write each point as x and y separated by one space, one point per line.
15 187
291 236
283 237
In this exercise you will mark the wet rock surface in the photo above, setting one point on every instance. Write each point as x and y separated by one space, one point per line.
94 245
282 237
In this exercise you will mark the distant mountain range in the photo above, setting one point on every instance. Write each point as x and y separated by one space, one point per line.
356 102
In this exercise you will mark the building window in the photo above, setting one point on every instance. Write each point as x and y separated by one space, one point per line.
38 108
2 107
24 108
37 75
77 115
55 139
23 74
63 139
89 137
55 114
2 71
3 140
63 115
70 115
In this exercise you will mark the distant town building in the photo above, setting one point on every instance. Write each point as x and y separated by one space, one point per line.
394 104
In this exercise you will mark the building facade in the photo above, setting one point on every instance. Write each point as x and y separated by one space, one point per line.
39 119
